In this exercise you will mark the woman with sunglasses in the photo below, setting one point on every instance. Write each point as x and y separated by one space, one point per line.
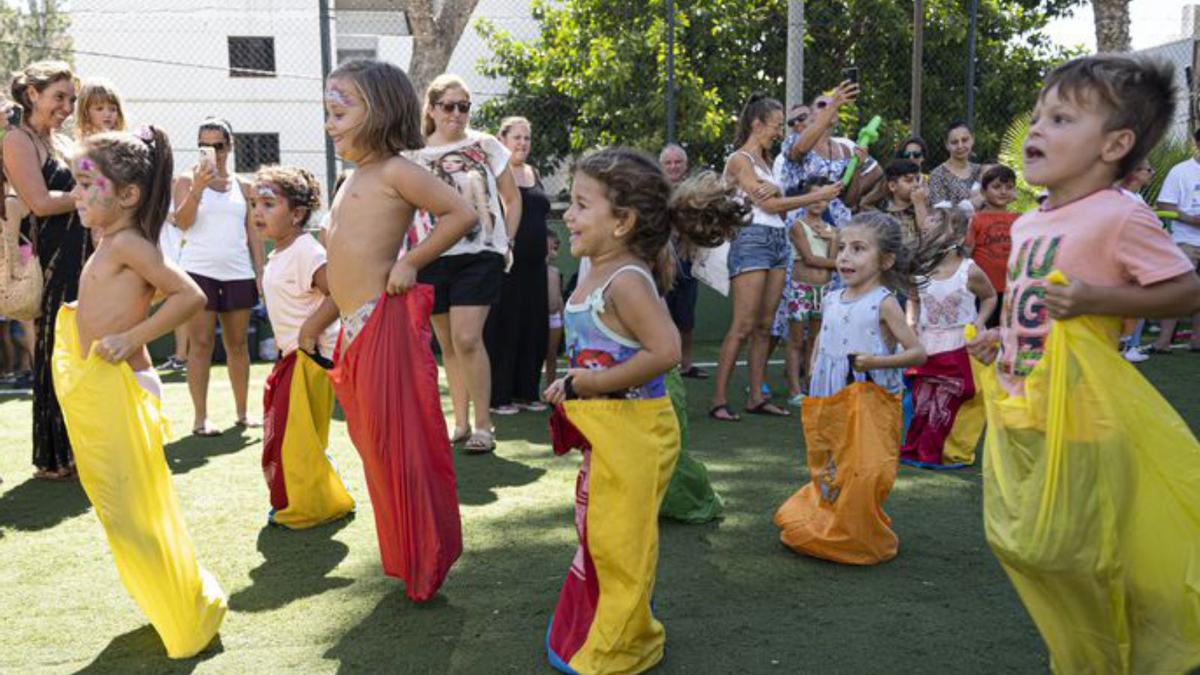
222 252
468 278
954 182
914 150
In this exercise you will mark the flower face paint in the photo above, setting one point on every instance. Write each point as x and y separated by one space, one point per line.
95 195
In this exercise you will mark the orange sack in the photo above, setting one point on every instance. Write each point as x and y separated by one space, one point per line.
853 442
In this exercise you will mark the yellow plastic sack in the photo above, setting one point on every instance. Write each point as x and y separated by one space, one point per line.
117 430
964 435
1092 505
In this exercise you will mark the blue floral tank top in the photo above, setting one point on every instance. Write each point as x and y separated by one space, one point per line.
595 346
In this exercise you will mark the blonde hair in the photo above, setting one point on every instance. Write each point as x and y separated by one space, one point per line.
437 89
392 124
94 91
508 123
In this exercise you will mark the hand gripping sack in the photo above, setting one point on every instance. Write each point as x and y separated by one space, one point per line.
1092 505
20 280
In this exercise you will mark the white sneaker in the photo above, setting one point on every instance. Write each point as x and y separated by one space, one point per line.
1133 355
506 410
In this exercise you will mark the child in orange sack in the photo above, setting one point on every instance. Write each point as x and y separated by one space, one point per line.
385 376
305 487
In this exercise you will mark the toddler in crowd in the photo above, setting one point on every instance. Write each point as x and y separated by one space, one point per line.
813 242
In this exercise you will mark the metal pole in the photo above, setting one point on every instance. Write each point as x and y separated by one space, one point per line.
918 51
670 71
326 67
795 52
971 64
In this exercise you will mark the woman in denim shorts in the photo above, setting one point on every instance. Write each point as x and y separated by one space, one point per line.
758 255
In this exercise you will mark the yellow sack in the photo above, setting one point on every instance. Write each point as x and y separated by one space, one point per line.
1092 505
117 430
964 435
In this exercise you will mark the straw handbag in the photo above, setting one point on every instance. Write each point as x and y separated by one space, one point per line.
20 280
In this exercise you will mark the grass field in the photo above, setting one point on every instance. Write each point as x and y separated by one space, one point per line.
732 597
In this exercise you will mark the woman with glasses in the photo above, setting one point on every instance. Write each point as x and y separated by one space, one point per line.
467 279
914 150
222 252
955 181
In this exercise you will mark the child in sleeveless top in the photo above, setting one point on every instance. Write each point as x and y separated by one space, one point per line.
305 488
385 370
612 404
839 515
812 241
944 306
109 391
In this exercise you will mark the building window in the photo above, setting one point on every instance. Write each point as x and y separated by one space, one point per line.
252 57
344 55
255 150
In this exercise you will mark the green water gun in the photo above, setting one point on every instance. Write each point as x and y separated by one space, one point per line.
1166 217
866 136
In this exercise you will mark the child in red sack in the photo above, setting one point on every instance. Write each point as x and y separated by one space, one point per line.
385 376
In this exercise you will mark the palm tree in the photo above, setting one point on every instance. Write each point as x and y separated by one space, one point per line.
1112 25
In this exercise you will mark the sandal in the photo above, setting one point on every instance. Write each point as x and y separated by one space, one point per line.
767 408
247 423
723 413
460 435
480 443
206 431
57 475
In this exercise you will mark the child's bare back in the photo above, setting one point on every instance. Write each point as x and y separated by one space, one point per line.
113 297
368 223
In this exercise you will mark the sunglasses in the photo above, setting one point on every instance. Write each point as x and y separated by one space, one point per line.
463 107
797 119
912 154
219 147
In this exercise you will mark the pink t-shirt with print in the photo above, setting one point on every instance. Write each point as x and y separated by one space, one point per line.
1104 239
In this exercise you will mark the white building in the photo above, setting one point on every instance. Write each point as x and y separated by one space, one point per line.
178 61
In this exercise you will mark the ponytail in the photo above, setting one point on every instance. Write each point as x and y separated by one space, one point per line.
758 107
143 159
152 212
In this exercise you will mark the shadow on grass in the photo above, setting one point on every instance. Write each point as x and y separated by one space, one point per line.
399 636
479 476
192 452
41 504
141 650
295 566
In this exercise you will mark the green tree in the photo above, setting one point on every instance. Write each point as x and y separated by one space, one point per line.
34 32
595 75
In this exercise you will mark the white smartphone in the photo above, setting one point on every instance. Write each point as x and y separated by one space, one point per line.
208 155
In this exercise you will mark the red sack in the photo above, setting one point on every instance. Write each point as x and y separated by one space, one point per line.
939 388
386 381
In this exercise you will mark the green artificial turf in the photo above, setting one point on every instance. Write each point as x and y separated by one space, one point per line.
733 599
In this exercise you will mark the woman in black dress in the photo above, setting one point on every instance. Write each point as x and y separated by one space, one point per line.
517 328
35 165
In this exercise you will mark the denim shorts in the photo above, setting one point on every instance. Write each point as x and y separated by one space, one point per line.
758 247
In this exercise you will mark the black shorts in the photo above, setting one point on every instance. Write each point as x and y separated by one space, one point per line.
681 299
227 296
469 280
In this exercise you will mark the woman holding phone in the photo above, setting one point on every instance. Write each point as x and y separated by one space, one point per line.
221 251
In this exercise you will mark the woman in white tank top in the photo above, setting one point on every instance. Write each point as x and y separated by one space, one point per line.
758 255
222 252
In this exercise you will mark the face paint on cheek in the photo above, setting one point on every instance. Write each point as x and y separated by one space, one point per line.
101 193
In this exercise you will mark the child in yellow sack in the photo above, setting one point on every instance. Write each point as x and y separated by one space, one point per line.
305 487
110 394
1092 481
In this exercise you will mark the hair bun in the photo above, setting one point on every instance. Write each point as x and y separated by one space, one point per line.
756 97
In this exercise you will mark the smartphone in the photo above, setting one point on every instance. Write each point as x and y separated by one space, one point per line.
850 74
209 156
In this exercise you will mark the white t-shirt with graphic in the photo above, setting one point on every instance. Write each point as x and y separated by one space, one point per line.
291 297
1182 189
471 166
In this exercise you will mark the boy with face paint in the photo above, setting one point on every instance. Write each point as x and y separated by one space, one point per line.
385 376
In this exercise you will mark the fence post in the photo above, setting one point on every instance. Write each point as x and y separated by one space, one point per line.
326 67
795 53
918 51
670 71
971 64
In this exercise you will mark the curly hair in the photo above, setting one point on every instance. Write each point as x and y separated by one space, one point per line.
299 187
702 210
144 160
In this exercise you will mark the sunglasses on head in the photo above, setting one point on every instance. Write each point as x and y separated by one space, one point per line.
463 107
912 154
219 147
798 118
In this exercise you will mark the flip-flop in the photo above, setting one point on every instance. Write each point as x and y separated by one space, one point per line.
206 432
762 409
730 416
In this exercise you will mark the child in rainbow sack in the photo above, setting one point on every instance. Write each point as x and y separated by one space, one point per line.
385 376
1091 480
110 393
613 406
305 487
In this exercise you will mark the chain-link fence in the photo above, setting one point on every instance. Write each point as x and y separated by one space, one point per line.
587 72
